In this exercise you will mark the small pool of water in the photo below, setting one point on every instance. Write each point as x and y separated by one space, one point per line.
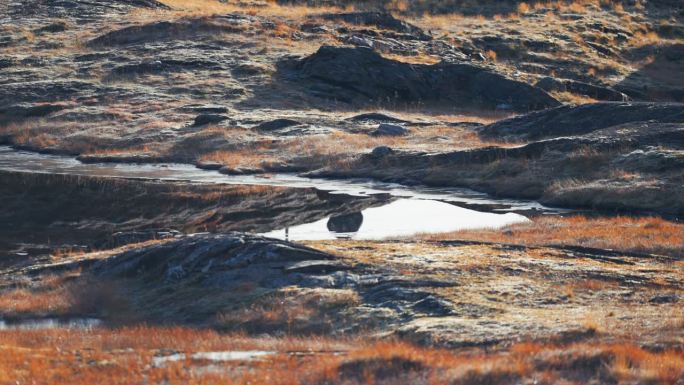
237 355
50 323
401 218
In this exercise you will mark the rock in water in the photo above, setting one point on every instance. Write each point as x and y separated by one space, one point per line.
348 223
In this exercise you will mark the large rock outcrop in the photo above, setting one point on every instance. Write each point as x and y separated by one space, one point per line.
184 28
360 73
606 156
204 254
192 279
382 20
578 120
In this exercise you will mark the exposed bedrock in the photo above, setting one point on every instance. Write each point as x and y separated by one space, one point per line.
572 120
551 84
87 10
609 156
21 111
236 273
47 91
382 20
195 254
361 75
185 29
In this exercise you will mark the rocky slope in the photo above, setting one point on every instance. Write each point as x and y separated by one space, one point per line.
606 156
574 104
274 91
350 75
135 79
445 293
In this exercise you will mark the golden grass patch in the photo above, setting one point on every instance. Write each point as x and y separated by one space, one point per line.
214 7
647 234
125 356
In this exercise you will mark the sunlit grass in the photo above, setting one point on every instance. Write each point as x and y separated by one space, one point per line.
125 356
214 7
648 234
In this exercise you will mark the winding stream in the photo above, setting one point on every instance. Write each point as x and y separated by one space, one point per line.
415 209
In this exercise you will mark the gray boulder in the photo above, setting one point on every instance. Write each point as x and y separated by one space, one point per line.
277 124
386 129
347 223
381 151
205 119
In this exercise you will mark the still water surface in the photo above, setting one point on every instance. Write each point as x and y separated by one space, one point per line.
412 209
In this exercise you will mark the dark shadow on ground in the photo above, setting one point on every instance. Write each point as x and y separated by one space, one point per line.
660 80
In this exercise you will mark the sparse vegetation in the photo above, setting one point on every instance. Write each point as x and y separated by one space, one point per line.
337 148
183 293
629 234
126 356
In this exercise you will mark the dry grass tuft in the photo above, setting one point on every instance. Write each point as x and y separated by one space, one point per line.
314 151
125 356
523 8
301 312
568 97
214 7
23 300
644 235
237 159
51 296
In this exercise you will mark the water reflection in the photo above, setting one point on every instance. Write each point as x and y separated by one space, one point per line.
401 218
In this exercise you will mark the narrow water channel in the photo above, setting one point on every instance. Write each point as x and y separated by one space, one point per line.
411 209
